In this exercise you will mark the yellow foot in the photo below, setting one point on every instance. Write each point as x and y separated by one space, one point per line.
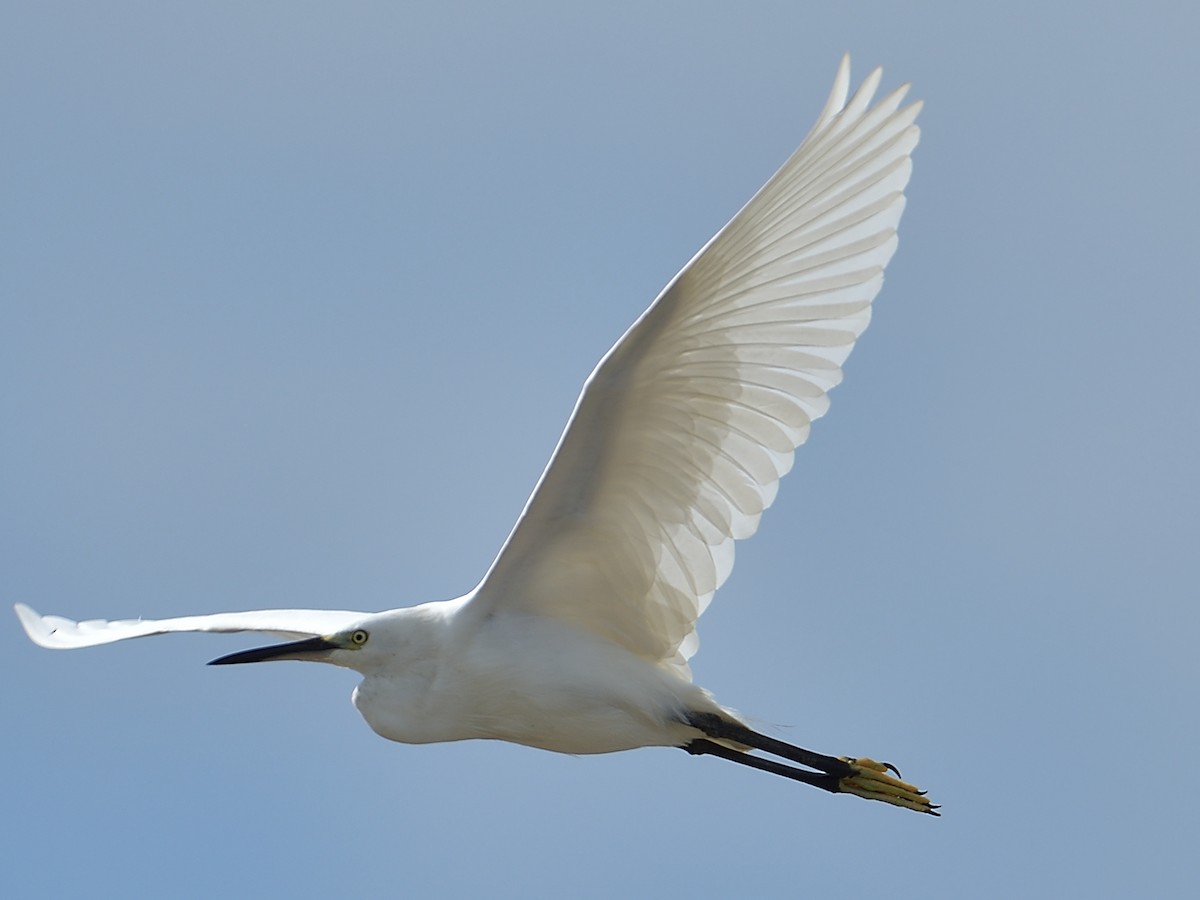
872 781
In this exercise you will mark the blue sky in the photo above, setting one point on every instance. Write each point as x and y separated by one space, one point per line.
295 299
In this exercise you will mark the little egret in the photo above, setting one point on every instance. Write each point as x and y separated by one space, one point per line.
578 636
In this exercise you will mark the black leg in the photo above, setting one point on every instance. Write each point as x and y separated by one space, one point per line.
861 777
823 781
716 726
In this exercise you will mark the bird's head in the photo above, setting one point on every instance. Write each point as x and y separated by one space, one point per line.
382 640
345 648
377 640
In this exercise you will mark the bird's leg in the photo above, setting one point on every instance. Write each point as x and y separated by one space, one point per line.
838 774
700 747
716 726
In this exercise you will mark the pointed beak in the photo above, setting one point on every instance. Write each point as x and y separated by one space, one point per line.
313 649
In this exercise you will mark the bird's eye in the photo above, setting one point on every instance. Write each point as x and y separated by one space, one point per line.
359 638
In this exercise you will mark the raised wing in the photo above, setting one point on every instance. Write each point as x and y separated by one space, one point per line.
58 633
682 432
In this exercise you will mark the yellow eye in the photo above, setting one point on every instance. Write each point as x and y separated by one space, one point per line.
359 638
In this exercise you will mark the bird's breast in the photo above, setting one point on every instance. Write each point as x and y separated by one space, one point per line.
532 681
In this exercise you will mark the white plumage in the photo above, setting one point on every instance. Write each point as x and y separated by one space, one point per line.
578 636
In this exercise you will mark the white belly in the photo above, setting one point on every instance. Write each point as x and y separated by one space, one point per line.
534 681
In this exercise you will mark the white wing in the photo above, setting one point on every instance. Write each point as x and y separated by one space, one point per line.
682 432
58 633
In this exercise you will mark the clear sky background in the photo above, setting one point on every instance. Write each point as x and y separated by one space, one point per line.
295 299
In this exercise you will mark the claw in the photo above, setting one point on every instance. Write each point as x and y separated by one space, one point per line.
871 781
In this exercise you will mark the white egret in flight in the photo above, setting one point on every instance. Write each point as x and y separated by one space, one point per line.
578 636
